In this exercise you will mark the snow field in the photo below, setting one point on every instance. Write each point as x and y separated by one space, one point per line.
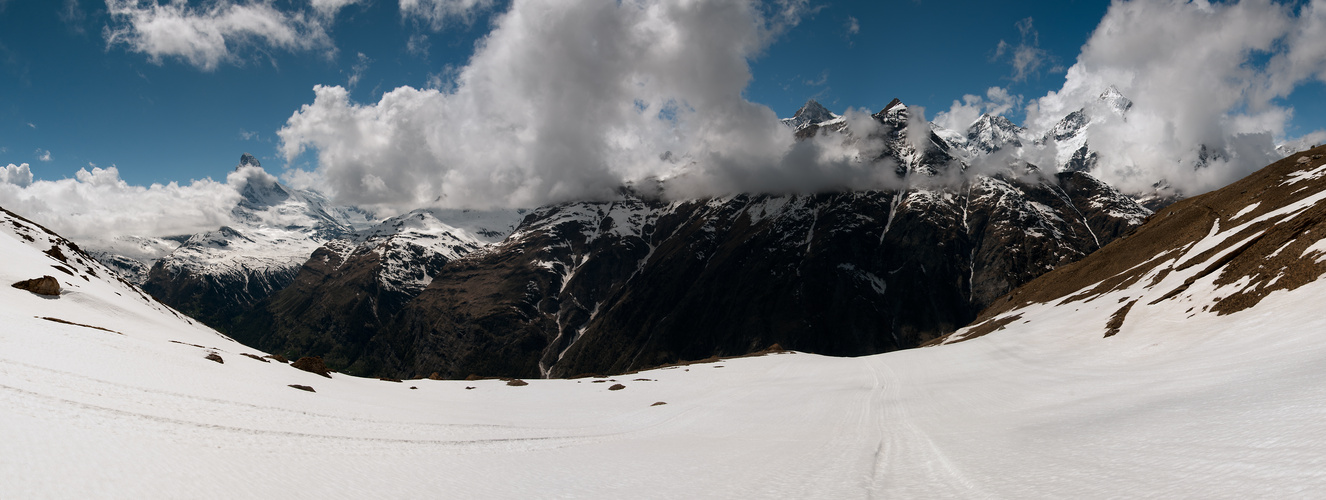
1176 404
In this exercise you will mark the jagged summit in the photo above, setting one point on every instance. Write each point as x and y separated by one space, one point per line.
248 160
894 103
990 133
810 118
811 112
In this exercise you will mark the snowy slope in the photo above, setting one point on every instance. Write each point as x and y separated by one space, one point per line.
1214 407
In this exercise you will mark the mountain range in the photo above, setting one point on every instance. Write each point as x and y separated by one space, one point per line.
617 285
1180 360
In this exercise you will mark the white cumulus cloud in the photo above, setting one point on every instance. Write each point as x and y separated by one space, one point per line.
565 100
97 204
18 175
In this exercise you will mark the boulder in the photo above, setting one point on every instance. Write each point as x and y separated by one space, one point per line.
312 364
45 285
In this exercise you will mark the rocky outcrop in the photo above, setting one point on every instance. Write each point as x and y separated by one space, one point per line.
45 285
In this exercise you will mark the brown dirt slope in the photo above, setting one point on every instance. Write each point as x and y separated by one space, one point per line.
1263 256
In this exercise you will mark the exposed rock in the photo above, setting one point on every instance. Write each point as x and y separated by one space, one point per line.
211 356
312 364
248 160
303 387
45 285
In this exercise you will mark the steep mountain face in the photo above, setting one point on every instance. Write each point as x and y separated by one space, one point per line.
616 286
217 275
349 287
1208 256
612 287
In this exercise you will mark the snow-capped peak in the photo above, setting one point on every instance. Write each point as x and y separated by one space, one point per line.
893 107
990 133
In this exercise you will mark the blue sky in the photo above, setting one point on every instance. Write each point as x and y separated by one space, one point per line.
166 90
66 92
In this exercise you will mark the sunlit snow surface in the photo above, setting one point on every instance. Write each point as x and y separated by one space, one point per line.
1206 407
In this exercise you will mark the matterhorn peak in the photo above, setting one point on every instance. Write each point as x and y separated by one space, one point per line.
248 160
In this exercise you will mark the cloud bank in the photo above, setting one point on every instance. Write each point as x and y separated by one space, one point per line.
568 100
97 204
561 101
1199 74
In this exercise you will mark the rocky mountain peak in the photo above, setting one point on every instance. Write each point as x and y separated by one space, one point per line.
892 104
990 133
248 160
813 112
810 116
